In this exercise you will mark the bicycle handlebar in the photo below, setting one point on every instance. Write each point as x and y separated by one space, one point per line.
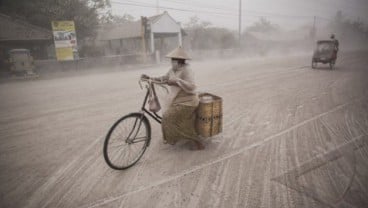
152 81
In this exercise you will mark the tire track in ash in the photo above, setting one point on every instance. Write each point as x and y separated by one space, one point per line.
311 146
135 177
350 122
68 161
238 115
241 117
220 159
240 79
290 178
301 150
199 189
237 112
276 169
267 191
258 181
55 179
238 183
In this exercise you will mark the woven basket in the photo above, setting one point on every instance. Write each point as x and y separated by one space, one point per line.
209 115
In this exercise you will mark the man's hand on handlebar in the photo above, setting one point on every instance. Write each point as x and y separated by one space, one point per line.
144 76
148 80
160 80
172 82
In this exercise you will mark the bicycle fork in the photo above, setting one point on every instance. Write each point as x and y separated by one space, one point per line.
135 130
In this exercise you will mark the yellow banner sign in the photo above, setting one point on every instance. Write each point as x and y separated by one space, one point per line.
63 54
65 40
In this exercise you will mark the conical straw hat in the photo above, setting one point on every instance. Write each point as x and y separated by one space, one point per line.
178 53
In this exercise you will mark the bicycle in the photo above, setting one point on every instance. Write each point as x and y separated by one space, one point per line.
135 135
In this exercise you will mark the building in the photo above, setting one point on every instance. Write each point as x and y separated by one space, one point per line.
17 34
145 36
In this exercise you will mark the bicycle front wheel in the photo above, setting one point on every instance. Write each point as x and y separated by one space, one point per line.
126 141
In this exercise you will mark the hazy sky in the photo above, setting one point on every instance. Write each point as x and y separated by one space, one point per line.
286 13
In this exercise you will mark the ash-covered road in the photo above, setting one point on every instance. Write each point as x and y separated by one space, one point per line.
293 137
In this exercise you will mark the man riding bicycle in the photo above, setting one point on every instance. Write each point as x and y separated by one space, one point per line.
178 121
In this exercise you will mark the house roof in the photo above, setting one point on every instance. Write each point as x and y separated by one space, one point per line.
15 29
125 30
154 18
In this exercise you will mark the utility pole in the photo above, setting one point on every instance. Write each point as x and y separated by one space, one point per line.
143 36
240 20
314 29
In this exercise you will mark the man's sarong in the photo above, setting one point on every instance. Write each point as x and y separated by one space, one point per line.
178 122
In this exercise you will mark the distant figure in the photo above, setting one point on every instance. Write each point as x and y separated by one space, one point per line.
336 42
336 49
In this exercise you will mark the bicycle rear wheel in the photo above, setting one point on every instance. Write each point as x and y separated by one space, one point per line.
126 141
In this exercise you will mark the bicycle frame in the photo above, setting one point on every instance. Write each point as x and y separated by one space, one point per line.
152 115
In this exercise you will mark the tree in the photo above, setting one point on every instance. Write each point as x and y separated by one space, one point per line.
263 25
342 25
194 22
203 36
339 19
121 19
85 13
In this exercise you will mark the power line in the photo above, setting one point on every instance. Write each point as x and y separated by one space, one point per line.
240 20
223 17
170 8
135 2
202 5
229 13
256 13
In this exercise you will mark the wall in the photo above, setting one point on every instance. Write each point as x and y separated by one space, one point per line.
49 66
